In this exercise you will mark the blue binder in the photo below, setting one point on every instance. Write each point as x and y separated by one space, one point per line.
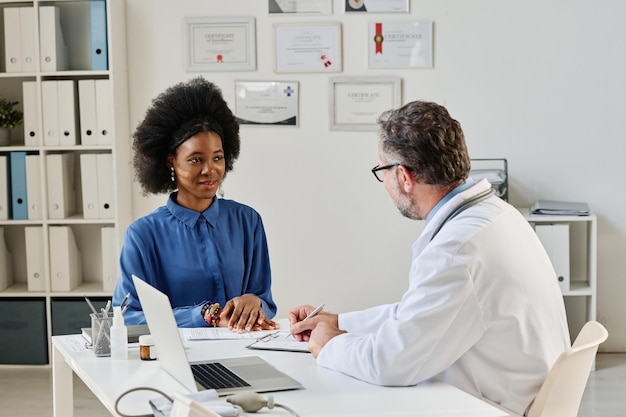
19 203
98 35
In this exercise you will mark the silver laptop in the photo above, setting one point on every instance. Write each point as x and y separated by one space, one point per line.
226 376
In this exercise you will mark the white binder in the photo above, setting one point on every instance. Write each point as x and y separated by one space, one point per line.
60 185
65 260
31 113
104 108
87 111
27 37
6 263
50 113
33 187
68 126
35 274
105 185
52 47
12 42
89 185
4 188
110 270
555 239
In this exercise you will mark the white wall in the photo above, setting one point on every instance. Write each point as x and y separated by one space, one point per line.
540 83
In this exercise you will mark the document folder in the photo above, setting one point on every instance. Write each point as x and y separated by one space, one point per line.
565 208
19 200
66 104
53 49
6 263
12 42
50 113
98 35
110 261
33 237
87 111
31 113
33 187
65 259
4 188
60 183
27 38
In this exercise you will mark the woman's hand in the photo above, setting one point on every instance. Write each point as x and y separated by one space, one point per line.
245 313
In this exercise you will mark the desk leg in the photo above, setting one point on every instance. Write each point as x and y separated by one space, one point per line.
62 386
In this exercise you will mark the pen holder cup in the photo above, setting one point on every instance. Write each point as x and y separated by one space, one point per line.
101 333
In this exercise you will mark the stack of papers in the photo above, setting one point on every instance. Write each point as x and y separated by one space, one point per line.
563 208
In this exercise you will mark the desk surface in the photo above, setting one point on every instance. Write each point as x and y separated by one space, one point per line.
327 393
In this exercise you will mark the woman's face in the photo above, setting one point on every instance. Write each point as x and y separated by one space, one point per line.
199 167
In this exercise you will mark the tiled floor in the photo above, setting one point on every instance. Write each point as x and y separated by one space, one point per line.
28 392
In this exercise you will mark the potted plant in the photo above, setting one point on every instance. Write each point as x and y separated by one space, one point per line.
10 117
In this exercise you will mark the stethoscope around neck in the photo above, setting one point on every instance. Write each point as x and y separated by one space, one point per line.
462 207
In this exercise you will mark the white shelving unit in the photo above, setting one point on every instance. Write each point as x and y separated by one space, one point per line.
60 305
583 261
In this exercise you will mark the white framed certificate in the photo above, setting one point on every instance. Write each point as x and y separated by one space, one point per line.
300 6
314 47
267 102
356 102
219 44
400 44
377 6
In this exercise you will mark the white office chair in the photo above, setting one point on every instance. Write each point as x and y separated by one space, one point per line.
561 392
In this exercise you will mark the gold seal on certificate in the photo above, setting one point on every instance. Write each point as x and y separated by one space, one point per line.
401 44
267 102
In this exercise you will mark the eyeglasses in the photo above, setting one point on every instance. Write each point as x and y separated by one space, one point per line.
377 171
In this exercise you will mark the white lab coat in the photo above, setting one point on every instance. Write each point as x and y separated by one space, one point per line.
483 311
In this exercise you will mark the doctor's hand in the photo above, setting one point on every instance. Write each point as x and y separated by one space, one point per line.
301 328
321 334
244 313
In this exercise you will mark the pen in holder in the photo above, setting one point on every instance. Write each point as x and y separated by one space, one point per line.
101 333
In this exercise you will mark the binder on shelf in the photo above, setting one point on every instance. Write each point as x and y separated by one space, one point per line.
66 104
4 188
555 240
110 270
104 107
27 38
35 274
53 49
87 112
6 263
65 260
33 187
31 113
19 199
60 185
50 113
89 185
104 164
98 35
561 208
12 42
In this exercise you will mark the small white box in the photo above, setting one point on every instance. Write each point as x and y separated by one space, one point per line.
555 239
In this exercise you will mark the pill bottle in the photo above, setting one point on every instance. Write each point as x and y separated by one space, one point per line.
147 351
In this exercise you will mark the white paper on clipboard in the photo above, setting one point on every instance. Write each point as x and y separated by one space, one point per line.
280 340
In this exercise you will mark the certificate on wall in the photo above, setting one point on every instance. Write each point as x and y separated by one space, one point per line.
401 44
377 6
307 47
220 44
267 102
300 6
356 102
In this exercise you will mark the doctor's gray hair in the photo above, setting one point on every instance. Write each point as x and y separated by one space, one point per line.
424 137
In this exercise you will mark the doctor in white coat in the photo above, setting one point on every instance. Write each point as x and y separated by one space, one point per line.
483 310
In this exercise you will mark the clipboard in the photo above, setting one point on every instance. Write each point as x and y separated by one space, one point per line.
280 340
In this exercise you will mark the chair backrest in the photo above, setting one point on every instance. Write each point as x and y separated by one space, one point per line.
562 391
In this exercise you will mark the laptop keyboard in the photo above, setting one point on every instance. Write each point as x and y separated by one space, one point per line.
216 376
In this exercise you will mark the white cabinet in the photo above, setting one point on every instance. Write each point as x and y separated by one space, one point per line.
580 234
71 84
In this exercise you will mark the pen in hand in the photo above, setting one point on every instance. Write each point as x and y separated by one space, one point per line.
314 312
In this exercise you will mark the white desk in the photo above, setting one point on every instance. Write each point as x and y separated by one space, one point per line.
327 393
